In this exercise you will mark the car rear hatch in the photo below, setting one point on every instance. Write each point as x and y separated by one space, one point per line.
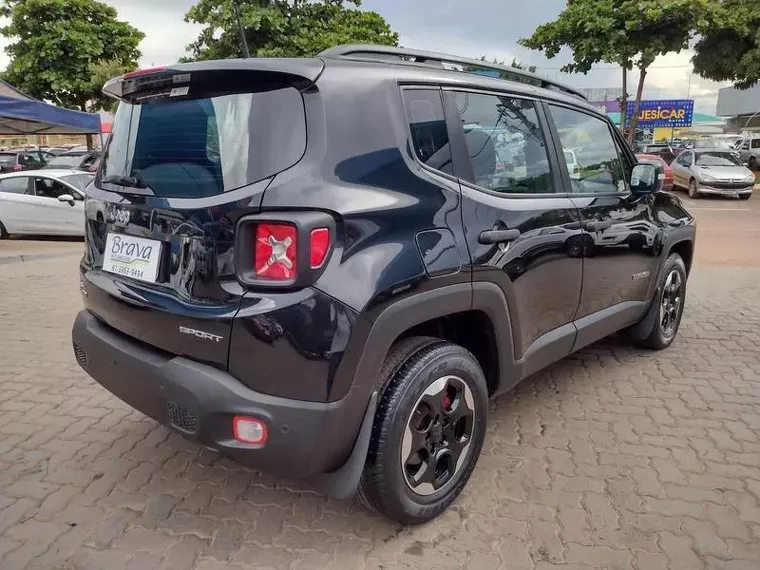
192 149
7 162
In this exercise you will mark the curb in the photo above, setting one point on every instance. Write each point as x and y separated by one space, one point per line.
4 260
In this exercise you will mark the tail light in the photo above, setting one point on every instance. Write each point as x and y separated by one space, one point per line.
319 245
140 72
275 252
283 250
17 168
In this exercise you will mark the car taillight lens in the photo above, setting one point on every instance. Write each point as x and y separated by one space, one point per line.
283 249
319 244
17 167
275 256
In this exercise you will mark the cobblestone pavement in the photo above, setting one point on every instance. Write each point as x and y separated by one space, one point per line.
614 458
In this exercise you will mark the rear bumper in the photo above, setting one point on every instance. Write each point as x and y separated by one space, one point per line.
305 439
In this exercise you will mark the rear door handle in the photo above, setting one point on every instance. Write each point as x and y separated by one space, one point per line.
597 226
498 236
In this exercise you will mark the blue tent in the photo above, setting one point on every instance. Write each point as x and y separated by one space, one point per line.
21 114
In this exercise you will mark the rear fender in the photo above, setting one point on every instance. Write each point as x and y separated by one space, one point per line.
406 313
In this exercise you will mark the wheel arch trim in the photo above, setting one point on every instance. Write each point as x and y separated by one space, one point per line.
413 310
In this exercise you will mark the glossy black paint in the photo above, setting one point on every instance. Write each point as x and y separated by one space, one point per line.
289 344
406 250
528 269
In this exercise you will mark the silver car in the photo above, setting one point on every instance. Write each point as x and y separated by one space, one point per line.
750 152
716 171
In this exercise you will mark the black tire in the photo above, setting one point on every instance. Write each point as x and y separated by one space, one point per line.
752 163
693 192
413 367
660 331
745 196
3 232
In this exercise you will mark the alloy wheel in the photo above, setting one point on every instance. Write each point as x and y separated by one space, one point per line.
437 435
693 193
670 304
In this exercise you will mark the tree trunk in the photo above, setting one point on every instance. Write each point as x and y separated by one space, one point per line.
637 106
624 102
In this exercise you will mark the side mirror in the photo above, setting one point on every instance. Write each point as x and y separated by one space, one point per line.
647 178
66 198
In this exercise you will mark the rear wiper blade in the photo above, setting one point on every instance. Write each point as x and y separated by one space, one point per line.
129 181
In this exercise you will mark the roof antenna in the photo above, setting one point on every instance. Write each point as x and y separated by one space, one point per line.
241 31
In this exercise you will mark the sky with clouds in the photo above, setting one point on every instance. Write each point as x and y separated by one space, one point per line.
464 27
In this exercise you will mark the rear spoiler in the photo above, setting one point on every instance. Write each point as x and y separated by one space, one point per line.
174 80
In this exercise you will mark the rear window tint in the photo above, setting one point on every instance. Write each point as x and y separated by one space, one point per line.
198 147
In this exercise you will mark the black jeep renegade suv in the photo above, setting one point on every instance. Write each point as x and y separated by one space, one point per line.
324 267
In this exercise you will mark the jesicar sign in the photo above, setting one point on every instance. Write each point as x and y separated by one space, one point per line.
663 113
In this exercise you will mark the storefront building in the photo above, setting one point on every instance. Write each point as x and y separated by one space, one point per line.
740 107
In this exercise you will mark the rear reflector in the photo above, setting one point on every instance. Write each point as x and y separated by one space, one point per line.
249 430
320 243
275 252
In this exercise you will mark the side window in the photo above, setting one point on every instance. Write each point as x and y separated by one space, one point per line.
47 188
601 168
505 143
427 122
17 185
745 145
755 143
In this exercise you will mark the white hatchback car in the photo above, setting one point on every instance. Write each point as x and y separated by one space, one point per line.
43 202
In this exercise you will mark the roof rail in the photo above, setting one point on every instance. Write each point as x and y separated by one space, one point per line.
395 54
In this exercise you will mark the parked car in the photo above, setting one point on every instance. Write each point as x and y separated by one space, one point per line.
43 202
666 151
86 160
668 180
15 160
750 152
716 172
333 294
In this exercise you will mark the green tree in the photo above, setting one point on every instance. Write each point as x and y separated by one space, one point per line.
275 28
624 32
53 43
516 64
519 65
100 72
729 45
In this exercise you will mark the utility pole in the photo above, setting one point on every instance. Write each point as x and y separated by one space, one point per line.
241 31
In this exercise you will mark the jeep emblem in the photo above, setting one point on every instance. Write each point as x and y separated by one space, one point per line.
118 216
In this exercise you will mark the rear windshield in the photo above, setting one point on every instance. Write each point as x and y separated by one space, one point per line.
196 147
7 158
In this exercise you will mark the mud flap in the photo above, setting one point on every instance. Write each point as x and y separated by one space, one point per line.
342 484
641 330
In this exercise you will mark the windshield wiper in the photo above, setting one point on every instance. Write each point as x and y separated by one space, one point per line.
129 181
